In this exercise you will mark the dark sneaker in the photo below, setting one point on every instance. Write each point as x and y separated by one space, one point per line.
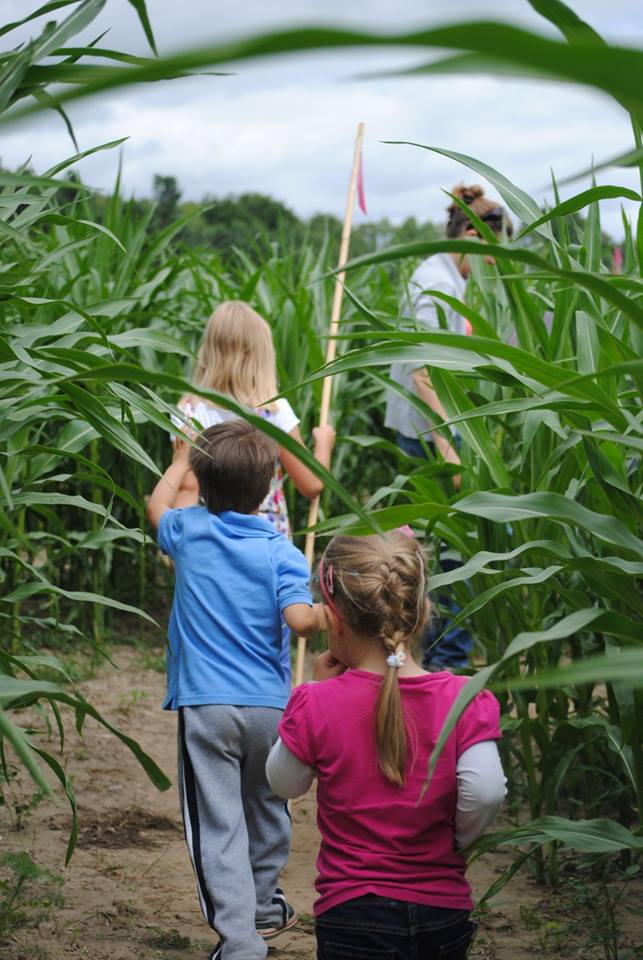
217 953
269 929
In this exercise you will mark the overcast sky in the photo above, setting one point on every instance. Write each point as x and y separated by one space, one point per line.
286 127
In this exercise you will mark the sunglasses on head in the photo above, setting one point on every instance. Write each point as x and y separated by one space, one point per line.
495 218
496 215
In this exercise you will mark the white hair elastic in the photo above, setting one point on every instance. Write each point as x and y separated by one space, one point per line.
396 660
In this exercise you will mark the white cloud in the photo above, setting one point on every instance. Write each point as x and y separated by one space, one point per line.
286 127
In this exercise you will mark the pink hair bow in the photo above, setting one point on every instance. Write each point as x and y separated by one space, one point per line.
406 530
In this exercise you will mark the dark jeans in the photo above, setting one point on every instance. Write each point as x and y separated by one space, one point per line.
375 928
455 646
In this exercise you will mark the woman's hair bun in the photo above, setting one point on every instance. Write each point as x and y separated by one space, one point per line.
468 194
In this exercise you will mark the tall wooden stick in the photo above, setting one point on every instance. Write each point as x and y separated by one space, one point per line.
331 350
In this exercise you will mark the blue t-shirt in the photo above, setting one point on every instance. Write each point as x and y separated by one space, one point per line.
234 576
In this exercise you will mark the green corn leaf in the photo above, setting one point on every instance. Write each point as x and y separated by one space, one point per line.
35 662
487 596
624 667
596 283
568 22
455 401
149 337
63 164
461 354
579 202
481 327
78 19
14 692
15 736
629 158
627 667
616 71
29 180
473 686
376 322
67 786
141 10
97 227
96 413
26 590
518 201
38 498
613 735
588 836
479 563
507 509
39 12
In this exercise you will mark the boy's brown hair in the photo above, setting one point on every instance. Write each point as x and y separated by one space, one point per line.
234 464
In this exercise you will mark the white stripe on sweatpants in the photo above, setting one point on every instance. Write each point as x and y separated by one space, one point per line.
187 826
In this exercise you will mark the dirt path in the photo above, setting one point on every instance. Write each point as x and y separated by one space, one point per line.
129 892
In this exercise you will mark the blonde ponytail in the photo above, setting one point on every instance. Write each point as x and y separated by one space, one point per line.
379 589
390 725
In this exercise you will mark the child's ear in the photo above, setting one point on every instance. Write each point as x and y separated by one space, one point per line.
333 621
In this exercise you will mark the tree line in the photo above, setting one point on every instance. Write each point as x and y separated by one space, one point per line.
252 221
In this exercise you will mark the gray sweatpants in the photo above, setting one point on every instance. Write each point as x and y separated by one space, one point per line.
237 830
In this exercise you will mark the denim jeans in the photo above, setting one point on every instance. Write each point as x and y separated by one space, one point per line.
375 928
455 646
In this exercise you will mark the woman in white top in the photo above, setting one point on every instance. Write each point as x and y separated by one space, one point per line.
446 273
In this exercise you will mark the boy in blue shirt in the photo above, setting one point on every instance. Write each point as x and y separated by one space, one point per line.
235 578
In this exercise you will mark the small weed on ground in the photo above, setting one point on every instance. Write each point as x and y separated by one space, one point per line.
167 940
585 915
151 658
129 701
27 892
306 923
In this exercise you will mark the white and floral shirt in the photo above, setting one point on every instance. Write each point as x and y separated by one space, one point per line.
274 506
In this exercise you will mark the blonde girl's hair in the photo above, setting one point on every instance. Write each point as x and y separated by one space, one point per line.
490 211
377 585
237 356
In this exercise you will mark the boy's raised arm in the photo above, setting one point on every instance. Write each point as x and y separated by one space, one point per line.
305 620
165 492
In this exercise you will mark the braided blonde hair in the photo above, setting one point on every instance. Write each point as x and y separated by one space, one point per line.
379 590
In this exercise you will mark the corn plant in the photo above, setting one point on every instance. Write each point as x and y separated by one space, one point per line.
546 524
62 511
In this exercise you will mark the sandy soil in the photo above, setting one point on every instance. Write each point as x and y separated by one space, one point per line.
129 892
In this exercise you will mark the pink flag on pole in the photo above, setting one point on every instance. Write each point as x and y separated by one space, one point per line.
361 199
617 261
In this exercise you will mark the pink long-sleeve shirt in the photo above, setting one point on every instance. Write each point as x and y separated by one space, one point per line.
378 838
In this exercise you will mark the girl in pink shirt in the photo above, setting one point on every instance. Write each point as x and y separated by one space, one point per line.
391 878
